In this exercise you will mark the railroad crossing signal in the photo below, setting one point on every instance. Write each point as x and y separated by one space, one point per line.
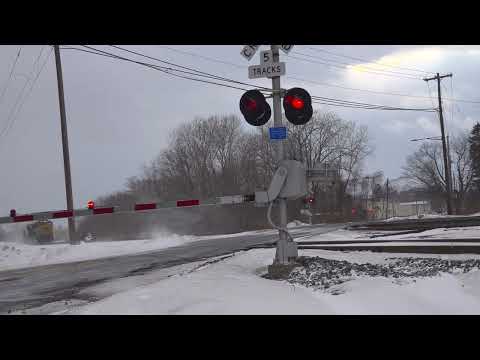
249 51
286 48
297 104
255 108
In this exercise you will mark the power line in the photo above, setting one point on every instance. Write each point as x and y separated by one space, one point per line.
324 100
346 68
340 103
349 103
152 66
168 71
367 61
7 82
4 130
14 115
356 65
367 105
187 68
190 53
356 89
204 57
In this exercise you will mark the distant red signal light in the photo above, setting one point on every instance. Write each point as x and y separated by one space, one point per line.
90 204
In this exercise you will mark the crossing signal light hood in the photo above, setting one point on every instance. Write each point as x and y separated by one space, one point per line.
255 108
297 104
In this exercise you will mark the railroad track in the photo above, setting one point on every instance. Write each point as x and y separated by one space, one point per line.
419 224
415 246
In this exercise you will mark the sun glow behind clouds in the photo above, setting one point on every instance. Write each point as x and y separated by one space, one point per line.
421 57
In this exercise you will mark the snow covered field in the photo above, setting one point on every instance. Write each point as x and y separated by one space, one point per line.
234 286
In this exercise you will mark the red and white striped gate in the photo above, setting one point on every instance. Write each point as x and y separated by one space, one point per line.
47 215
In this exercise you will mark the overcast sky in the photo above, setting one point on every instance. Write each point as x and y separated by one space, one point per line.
120 114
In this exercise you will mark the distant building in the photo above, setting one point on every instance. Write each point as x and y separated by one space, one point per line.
377 210
414 208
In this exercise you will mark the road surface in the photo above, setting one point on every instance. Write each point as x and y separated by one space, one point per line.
36 286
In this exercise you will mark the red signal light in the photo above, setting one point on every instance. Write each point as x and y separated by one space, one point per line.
251 105
90 204
295 102
255 108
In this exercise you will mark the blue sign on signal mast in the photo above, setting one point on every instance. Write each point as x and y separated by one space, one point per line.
278 133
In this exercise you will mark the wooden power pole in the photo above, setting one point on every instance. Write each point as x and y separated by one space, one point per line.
66 155
444 143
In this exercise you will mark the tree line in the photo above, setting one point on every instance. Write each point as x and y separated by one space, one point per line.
219 155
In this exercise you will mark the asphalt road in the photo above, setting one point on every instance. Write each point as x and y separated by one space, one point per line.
36 286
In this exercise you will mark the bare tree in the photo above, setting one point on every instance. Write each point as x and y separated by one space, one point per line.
425 168
215 156
355 148
462 169
318 141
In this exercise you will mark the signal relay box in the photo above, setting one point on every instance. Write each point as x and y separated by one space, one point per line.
289 182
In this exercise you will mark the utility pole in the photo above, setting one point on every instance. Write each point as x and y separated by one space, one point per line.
445 156
281 253
66 156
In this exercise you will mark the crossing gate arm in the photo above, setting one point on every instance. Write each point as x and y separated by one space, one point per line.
61 214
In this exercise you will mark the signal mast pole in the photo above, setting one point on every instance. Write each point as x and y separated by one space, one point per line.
281 255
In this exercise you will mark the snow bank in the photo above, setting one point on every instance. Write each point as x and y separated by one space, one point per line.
438 233
296 223
18 255
234 286
425 216
229 287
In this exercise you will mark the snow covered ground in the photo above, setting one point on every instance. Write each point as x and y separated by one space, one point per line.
439 233
341 282
18 255
426 216
235 286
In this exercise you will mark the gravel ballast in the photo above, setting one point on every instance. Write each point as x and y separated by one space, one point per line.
320 273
